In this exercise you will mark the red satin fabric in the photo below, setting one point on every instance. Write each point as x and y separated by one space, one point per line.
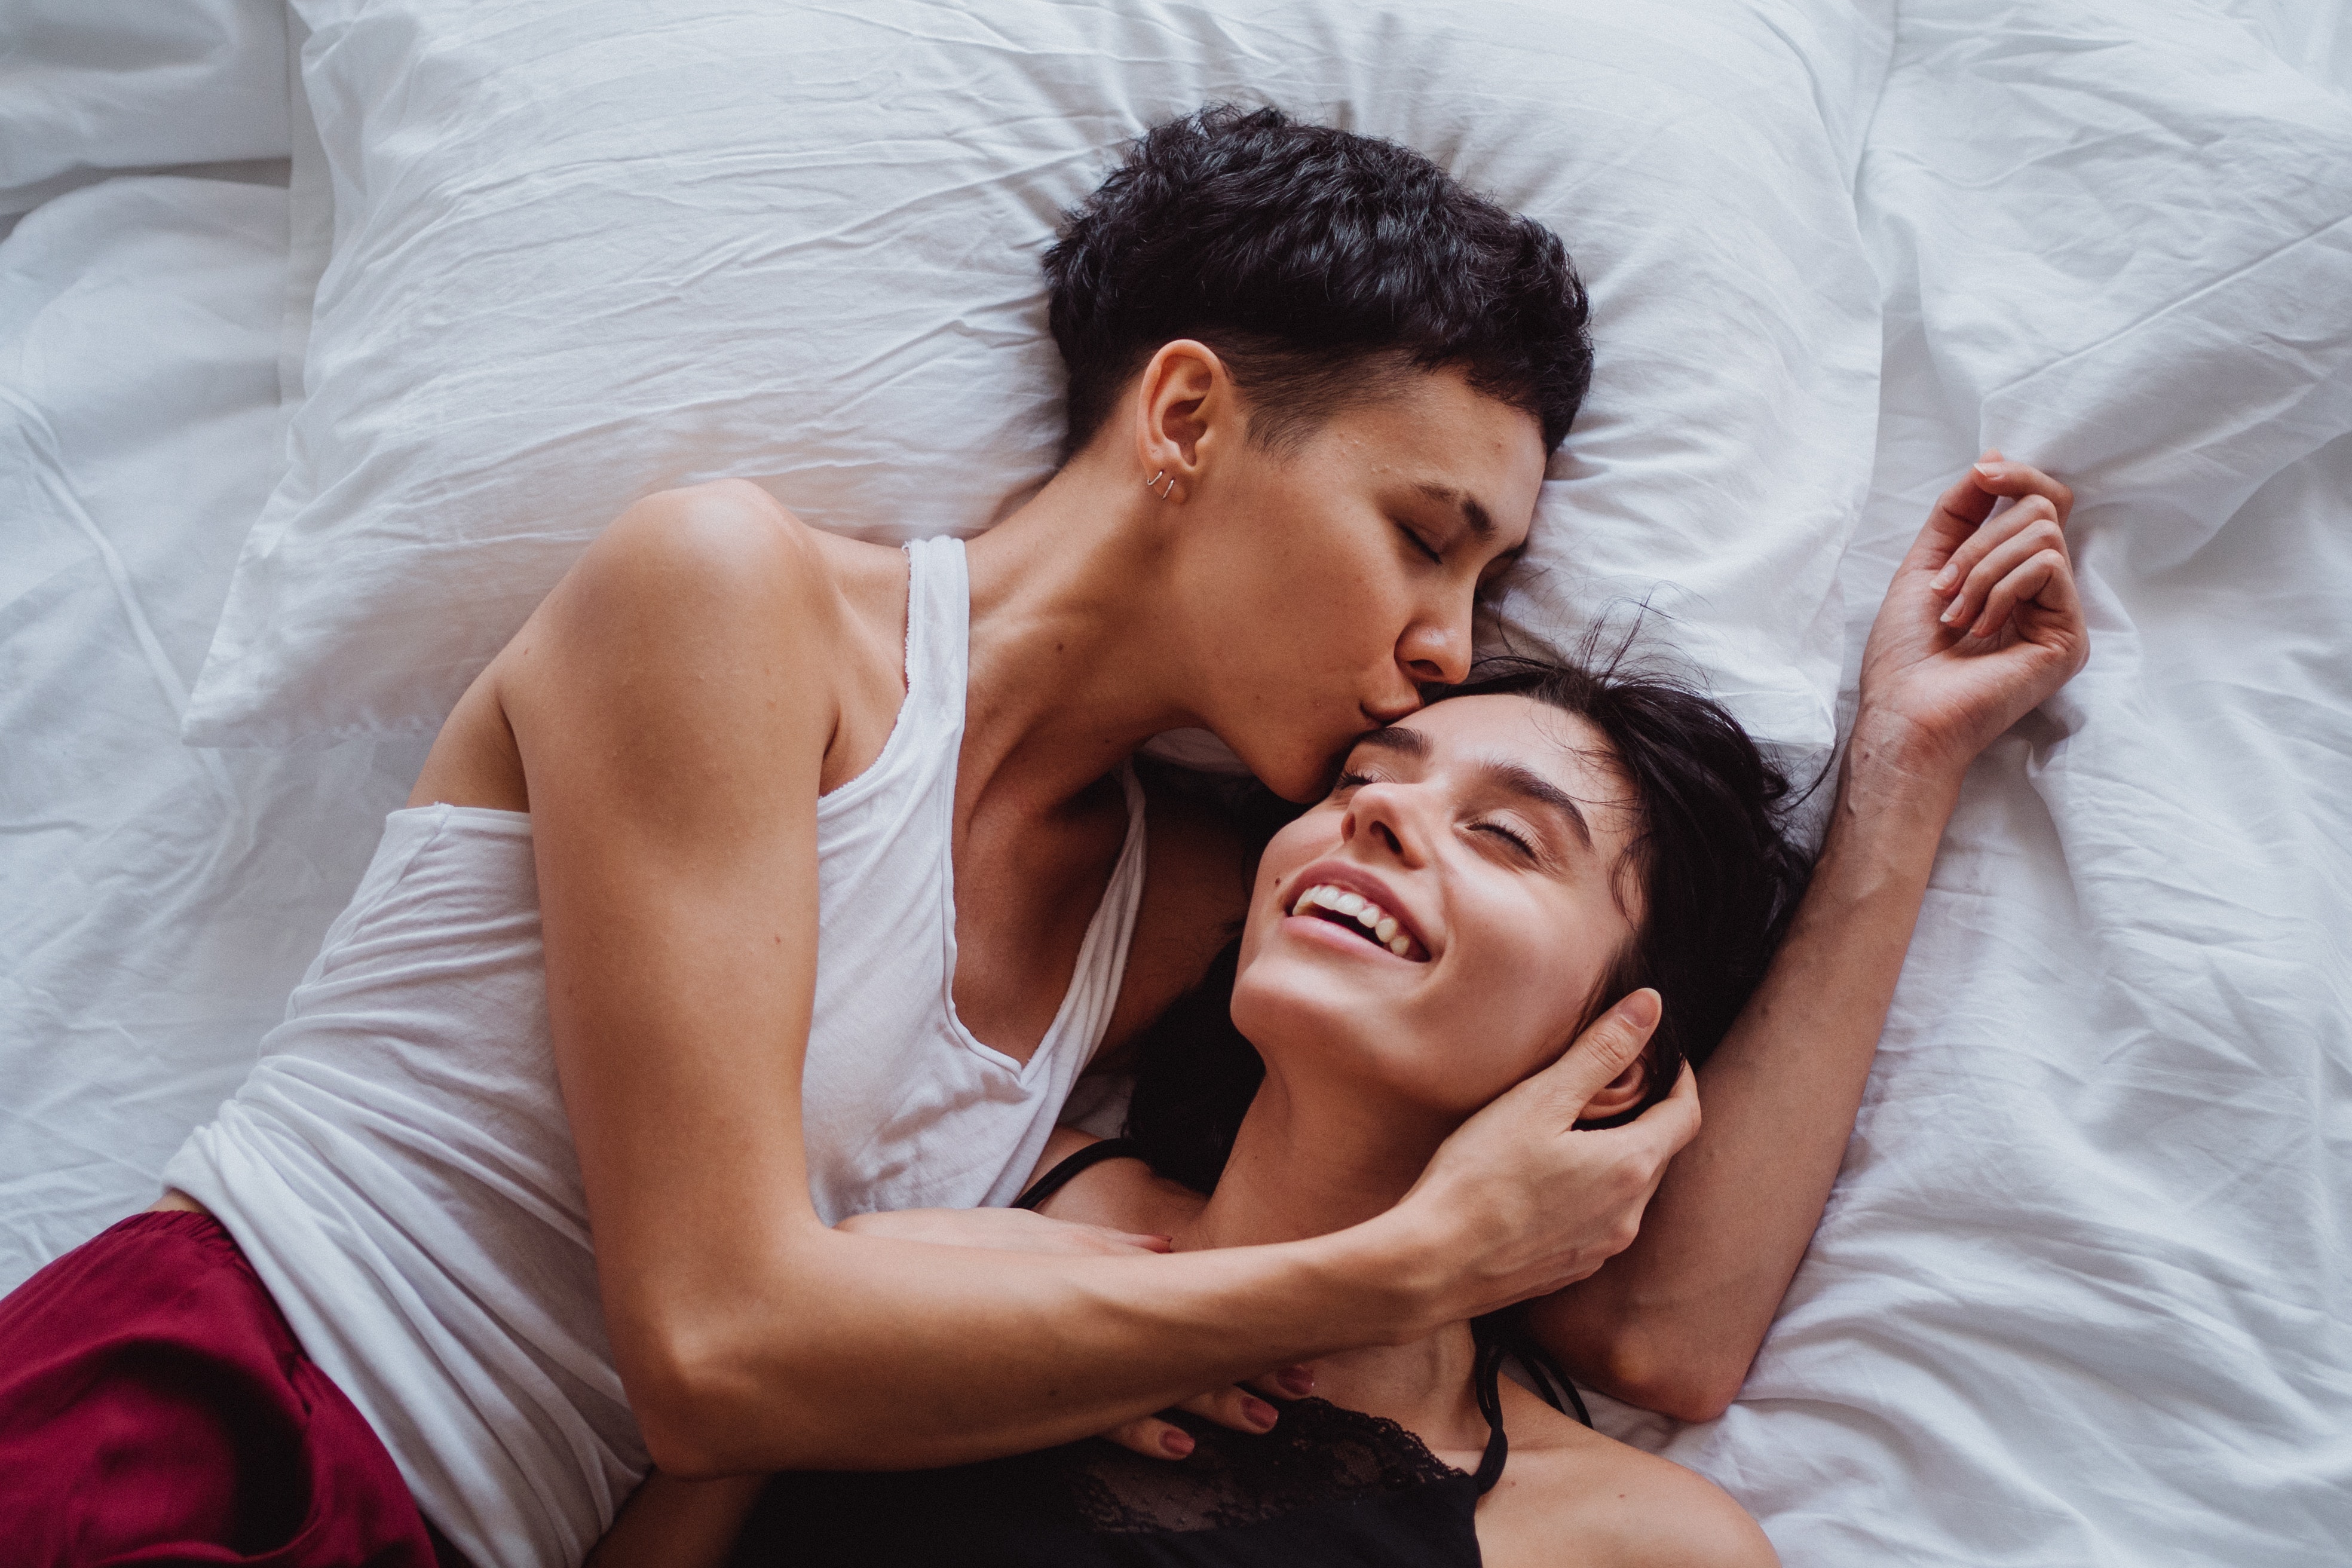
155 1408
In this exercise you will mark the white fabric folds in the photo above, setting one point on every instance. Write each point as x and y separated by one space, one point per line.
578 259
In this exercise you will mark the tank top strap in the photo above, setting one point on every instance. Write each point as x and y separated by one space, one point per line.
939 634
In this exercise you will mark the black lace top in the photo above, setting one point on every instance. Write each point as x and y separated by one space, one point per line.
1327 1486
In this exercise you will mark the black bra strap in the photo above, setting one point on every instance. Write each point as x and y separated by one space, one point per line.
1486 1382
1073 1165
1509 1330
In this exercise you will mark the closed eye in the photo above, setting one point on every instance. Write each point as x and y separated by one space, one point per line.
1421 544
1499 831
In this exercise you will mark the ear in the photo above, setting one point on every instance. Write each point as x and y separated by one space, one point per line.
1619 1094
1184 406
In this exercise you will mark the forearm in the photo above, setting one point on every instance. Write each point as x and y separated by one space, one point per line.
871 1352
1673 1323
671 1523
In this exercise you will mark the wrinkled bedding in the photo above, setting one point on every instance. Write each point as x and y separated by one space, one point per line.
2080 1293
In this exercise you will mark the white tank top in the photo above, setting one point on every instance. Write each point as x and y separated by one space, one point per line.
399 1169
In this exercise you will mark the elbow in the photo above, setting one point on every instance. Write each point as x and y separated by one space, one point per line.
1680 1381
1696 1398
709 1400
1644 1365
674 1385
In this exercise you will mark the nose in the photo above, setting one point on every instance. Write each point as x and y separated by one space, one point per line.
1382 815
1435 649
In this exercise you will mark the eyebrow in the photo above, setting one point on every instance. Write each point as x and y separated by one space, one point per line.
1394 738
1508 777
1513 779
1481 525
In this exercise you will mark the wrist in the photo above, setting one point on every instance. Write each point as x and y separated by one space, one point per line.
1892 765
1396 1267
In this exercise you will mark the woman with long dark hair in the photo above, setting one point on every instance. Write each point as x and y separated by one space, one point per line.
767 878
1486 878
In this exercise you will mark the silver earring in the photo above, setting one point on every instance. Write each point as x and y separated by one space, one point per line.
1163 474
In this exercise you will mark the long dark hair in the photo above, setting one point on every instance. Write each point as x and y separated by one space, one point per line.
1719 874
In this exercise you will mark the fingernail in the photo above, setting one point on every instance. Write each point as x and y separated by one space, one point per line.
1259 1414
1298 1382
1177 1444
1949 615
1989 470
1640 1010
1943 579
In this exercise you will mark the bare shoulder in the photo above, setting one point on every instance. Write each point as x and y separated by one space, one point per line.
712 545
1619 1507
706 616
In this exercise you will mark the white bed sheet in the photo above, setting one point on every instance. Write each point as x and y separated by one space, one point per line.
2080 1296
93 87
156 902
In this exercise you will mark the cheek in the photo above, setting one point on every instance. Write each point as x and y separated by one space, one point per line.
1299 843
1524 998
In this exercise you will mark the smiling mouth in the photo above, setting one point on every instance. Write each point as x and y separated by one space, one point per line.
1353 912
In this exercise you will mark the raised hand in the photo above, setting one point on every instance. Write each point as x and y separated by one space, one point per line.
1981 623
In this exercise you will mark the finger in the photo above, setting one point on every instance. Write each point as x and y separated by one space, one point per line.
2029 540
1153 1438
1128 1240
1667 1127
1285 1383
1955 515
1605 1049
1072 1238
1998 475
1991 534
1959 510
1234 1408
2026 582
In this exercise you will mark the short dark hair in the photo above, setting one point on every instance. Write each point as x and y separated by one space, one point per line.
1718 871
1306 257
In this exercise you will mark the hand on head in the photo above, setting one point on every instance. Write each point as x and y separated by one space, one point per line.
1539 1203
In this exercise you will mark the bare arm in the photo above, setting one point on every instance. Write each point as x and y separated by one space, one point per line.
671 709
1673 1323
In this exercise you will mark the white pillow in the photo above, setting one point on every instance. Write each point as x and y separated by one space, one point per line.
579 258
93 87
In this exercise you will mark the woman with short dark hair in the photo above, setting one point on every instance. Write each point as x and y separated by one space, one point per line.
768 877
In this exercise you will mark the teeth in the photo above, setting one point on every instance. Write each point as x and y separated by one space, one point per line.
1381 925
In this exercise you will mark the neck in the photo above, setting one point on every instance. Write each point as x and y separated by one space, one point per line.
1311 1159
1078 652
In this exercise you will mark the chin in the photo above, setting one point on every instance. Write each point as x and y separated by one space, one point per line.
1286 1003
1300 774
